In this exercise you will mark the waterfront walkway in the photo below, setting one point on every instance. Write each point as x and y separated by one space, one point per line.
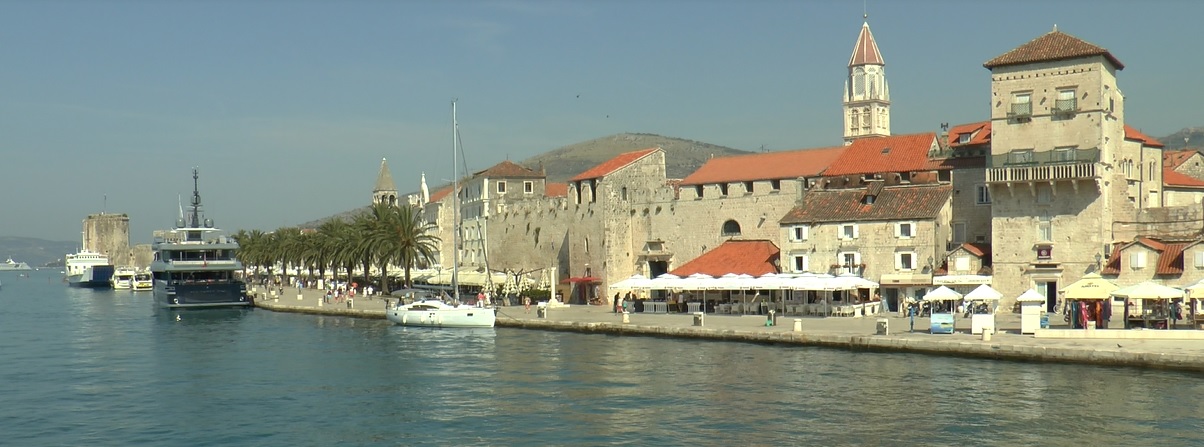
835 332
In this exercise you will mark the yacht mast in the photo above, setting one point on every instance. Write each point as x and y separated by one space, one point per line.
455 208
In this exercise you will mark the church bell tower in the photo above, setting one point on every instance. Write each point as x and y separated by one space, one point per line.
866 96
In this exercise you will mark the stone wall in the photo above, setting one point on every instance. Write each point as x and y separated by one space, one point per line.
109 234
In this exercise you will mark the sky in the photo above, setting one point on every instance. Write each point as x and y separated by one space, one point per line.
286 108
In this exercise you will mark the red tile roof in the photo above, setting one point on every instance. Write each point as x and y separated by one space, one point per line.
754 257
894 203
1052 46
980 133
613 164
553 189
1175 158
508 169
976 249
440 193
1170 256
1170 261
1113 265
764 166
1132 133
1171 177
897 153
865 52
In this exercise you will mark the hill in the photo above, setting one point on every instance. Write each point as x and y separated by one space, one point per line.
682 156
1188 137
35 252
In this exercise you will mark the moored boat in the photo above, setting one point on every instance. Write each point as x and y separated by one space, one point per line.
89 269
10 265
123 279
194 267
436 313
143 281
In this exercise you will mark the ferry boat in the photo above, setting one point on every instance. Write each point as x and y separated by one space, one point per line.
194 265
89 269
143 281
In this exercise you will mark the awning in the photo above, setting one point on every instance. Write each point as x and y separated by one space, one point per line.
961 280
905 279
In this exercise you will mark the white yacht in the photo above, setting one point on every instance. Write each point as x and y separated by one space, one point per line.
10 264
123 279
436 313
143 281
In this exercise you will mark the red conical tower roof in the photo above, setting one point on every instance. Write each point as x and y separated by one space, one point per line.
866 50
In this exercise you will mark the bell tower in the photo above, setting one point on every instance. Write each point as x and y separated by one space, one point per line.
866 96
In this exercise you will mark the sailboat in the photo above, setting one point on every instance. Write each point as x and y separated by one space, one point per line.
433 312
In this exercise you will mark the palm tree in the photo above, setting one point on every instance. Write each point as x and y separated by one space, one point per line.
399 236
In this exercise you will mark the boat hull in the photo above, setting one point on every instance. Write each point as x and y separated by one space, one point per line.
449 318
93 277
202 295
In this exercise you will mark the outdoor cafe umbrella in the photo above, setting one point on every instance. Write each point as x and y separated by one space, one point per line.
635 282
1148 290
1091 287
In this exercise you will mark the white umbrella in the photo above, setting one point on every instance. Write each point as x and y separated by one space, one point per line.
1149 290
942 293
983 293
665 281
1031 295
636 281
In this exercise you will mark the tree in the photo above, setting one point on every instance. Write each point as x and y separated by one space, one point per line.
399 236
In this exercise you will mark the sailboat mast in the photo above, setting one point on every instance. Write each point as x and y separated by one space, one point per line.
455 207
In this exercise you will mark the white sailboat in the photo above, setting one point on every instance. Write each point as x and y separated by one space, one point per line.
435 312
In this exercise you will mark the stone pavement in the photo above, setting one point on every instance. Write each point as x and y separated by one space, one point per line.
837 332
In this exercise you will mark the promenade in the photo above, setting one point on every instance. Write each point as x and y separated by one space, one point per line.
858 334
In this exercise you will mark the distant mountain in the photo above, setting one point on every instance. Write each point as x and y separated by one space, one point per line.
1188 137
682 156
35 252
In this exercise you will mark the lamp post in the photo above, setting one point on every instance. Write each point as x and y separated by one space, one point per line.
1098 259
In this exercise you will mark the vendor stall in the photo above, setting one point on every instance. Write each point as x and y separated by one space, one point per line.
1032 309
942 301
981 304
1085 302
1151 305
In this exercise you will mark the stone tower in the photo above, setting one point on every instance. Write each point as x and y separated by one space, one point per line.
866 96
384 191
109 234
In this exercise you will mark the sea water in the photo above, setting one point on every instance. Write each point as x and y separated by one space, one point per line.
94 367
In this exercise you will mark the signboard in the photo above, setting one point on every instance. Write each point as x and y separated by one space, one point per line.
941 324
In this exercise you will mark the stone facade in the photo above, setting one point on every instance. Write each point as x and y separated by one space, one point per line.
109 234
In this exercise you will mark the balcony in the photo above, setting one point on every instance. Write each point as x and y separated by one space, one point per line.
1045 166
1021 111
1064 107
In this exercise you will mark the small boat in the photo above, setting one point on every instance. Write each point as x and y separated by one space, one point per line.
123 279
436 313
10 265
430 312
143 281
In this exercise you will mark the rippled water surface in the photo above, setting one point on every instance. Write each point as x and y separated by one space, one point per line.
81 367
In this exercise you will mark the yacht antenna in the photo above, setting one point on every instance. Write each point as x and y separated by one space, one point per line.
455 208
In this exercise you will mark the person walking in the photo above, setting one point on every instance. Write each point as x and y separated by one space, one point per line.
911 312
526 304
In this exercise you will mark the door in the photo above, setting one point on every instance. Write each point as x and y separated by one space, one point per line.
1051 294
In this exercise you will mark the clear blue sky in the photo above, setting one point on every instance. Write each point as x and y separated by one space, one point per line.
287 107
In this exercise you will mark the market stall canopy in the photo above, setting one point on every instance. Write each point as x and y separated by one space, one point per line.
1196 291
983 293
636 281
1148 290
1031 295
850 282
696 281
942 293
1090 287
665 282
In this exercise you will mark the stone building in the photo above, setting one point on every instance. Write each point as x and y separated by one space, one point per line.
866 95
109 234
385 190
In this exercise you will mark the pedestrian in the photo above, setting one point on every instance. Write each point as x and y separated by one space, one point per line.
911 312
526 304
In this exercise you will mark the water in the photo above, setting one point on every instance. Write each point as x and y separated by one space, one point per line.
81 367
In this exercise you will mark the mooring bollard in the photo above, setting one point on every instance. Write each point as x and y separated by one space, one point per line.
798 325
350 303
698 318
300 296
986 334
626 317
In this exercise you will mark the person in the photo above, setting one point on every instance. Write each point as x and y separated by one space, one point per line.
911 313
615 307
527 304
620 303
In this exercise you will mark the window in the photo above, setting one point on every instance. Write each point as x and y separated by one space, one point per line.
984 195
1020 156
623 193
1199 259
959 232
1022 106
775 185
961 264
501 187
1065 153
731 228
854 119
1066 103
1045 229
698 191
799 262
850 262
748 187
905 261
798 233
1044 194
1137 260
963 138
904 230
528 187
865 118
723 189
848 231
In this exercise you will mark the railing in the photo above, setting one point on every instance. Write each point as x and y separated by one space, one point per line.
1066 106
1021 110
213 262
1026 158
1042 173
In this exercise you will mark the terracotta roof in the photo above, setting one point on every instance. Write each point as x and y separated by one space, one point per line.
1171 177
764 166
1132 133
1170 261
508 169
440 193
553 189
754 257
865 52
1113 265
897 153
613 164
976 249
894 203
1175 158
1170 256
980 133
1052 46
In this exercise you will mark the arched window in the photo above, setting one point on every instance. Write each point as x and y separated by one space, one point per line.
731 228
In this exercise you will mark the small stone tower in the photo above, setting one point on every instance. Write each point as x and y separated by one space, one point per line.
866 96
384 191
